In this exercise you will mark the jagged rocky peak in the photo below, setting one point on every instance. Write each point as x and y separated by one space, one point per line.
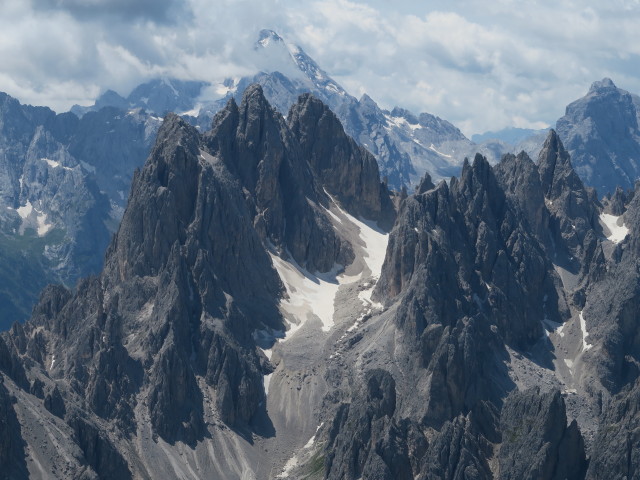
174 169
266 37
470 227
602 85
111 98
186 281
256 144
556 171
347 171
161 344
406 114
574 209
536 441
616 203
617 455
520 180
425 184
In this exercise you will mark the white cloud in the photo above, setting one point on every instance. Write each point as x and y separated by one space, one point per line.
481 65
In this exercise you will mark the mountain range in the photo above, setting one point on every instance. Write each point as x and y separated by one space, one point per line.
300 284
269 309
109 140
406 145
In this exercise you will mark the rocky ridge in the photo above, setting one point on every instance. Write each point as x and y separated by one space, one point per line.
251 308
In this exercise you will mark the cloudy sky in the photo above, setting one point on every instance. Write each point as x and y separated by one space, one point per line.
481 65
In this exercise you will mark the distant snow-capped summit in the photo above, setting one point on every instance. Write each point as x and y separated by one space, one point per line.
405 145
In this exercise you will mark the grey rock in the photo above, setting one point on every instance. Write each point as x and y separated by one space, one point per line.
348 172
363 440
536 441
520 179
98 452
257 146
600 131
471 225
12 454
616 203
617 455
63 184
460 450
573 207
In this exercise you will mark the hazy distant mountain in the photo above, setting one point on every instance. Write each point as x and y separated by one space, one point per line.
511 135
405 145
602 135
159 96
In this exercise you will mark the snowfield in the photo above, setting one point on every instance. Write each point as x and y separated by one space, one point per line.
618 230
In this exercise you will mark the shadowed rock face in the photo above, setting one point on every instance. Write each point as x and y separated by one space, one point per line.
283 197
573 208
12 455
536 441
450 275
452 241
346 170
468 275
618 455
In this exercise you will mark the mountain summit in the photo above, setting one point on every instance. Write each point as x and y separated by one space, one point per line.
600 131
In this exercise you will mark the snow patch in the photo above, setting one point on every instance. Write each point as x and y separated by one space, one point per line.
312 440
375 241
334 216
569 363
53 361
266 379
292 463
402 122
194 112
43 226
583 325
618 230
308 293
54 164
25 210
289 466
314 293
433 148
554 327
207 157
